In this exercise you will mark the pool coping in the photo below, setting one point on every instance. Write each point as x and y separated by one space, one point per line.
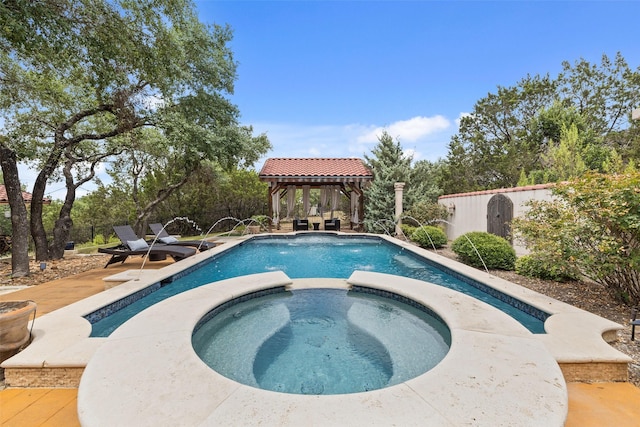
574 337
496 372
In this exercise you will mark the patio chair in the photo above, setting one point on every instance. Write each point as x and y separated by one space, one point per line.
300 224
332 224
167 239
132 245
634 322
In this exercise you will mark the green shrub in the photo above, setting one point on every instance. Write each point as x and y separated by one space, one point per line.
591 226
429 236
407 229
495 251
533 266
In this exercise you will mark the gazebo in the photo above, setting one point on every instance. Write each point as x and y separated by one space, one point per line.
333 176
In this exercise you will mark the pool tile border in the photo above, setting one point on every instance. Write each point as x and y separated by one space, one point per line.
508 299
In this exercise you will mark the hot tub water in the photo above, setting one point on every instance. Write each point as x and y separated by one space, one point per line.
321 341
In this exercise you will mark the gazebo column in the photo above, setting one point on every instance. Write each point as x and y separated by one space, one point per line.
306 191
269 208
357 203
274 197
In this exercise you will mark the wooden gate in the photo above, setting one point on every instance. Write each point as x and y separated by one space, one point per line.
499 216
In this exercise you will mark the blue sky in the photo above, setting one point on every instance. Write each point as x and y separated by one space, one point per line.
322 78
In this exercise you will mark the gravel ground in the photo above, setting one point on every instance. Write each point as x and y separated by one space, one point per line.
54 269
587 296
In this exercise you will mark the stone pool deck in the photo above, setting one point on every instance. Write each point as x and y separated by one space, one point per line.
589 404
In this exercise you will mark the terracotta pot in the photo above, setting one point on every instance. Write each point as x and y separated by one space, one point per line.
14 331
254 229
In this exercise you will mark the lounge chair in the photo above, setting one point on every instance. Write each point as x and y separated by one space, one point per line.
332 224
132 245
300 224
167 239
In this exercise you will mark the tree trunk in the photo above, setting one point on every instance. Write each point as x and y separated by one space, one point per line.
62 228
38 232
37 228
19 224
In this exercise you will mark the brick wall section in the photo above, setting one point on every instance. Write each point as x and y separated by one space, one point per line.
45 377
595 372
70 377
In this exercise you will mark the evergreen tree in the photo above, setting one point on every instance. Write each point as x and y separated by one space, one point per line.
425 181
389 165
565 159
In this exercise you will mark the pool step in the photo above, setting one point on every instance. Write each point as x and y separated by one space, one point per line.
409 262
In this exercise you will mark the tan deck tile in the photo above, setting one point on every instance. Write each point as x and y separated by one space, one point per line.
602 404
39 410
7 395
59 293
14 402
67 416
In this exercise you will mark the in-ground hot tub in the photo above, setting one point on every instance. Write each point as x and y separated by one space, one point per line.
321 341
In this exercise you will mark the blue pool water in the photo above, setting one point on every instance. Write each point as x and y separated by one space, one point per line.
321 341
318 255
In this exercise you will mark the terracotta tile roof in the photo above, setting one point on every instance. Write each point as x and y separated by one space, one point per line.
315 167
4 200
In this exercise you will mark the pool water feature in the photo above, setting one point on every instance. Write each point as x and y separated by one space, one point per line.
321 341
311 255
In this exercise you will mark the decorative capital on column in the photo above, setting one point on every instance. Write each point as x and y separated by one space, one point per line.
398 185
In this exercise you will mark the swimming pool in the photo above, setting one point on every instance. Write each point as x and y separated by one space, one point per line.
308 255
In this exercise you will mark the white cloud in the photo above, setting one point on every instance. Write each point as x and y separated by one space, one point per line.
409 130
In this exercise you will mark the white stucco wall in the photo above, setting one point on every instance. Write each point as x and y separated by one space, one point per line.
468 211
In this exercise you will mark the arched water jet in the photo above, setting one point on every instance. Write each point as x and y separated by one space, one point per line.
230 218
422 227
157 236
468 240
381 222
